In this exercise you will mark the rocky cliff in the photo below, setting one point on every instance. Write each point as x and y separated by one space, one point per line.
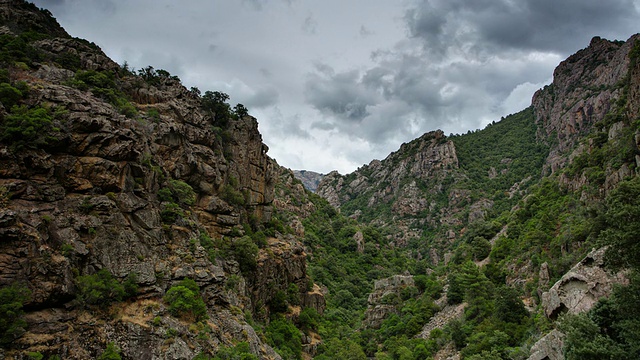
129 173
310 179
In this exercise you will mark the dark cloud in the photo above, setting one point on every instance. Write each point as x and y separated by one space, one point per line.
540 25
375 73
341 95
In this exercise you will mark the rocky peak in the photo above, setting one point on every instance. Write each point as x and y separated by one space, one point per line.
310 179
585 88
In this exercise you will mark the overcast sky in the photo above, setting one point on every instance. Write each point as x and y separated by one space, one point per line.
335 84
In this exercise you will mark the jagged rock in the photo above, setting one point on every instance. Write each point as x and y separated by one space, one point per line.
581 288
358 237
377 311
572 117
315 299
549 347
309 179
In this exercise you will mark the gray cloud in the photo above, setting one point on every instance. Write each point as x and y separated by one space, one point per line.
375 73
310 25
541 25
341 95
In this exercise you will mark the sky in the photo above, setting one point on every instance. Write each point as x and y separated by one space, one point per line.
335 84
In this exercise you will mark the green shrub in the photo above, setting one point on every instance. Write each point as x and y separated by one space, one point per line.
170 213
285 338
25 127
100 288
112 352
9 96
12 323
241 351
245 251
309 319
184 300
131 285
182 192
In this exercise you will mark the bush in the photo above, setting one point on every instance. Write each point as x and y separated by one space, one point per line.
27 127
9 96
309 319
110 353
100 289
184 300
170 213
245 251
12 324
242 351
285 338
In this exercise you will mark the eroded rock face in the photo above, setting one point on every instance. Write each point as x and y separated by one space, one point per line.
549 347
400 182
380 301
567 109
581 288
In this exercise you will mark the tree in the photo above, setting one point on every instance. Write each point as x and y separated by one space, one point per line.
100 288
240 111
623 228
216 102
110 353
12 323
184 300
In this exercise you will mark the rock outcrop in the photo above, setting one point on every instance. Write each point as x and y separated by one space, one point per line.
383 298
310 179
580 289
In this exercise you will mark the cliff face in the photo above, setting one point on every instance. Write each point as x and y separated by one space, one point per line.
131 175
585 88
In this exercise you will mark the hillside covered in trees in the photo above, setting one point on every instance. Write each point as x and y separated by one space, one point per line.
140 219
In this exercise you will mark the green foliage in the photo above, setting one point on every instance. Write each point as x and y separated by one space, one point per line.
232 196
12 323
130 285
112 352
171 212
103 85
27 127
611 330
309 319
9 95
245 251
278 303
285 338
100 289
185 301
179 192
508 145
241 351
622 226
216 103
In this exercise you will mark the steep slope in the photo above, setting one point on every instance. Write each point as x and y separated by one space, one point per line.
117 185
496 216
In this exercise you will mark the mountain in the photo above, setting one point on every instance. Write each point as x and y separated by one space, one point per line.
135 213
141 219
496 216
309 179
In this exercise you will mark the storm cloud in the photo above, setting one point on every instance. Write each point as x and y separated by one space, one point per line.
335 84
